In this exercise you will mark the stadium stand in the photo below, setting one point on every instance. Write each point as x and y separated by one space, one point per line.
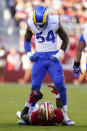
12 29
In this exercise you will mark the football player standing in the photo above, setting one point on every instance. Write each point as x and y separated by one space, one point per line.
47 57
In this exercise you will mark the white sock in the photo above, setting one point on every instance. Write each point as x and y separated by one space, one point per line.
65 109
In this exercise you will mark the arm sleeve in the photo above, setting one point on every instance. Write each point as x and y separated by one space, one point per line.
27 46
82 39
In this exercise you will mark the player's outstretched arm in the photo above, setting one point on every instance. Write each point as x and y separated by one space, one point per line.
59 103
80 47
76 68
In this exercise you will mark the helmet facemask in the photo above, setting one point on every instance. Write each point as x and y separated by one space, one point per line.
41 26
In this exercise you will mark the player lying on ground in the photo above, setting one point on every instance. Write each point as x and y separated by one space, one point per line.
44 114
26 117
46 29
80 47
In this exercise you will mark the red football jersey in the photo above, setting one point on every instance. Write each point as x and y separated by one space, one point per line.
57 119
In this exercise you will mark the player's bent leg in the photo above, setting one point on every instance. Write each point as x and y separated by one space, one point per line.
23 116
56 73
59 104
35 96
37 75
57 76
24 111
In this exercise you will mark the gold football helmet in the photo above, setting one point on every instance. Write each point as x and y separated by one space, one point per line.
46 111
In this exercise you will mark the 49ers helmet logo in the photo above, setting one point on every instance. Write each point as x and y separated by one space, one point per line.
46 111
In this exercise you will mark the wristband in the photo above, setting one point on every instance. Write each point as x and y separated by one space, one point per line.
29 54
27 46
59 54
57 96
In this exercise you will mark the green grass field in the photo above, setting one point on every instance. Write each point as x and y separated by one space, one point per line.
13 98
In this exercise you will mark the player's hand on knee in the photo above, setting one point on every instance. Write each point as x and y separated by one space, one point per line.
57 56
32 56
77 71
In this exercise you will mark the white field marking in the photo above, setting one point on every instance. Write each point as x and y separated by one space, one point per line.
81 117
77 86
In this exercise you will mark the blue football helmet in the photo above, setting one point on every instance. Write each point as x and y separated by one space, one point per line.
40 17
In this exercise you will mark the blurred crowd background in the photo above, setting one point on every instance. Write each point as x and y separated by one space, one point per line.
14 65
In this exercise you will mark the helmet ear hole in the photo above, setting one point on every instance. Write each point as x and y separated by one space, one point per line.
46 111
